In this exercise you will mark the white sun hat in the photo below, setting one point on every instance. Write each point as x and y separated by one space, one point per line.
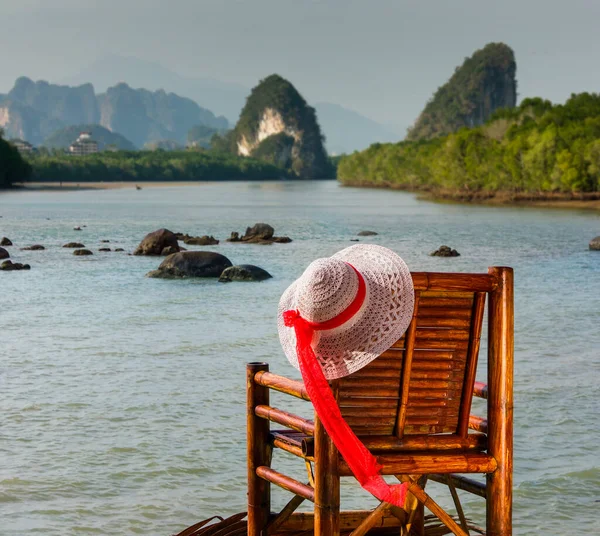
367 324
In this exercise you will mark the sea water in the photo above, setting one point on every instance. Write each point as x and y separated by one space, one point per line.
122 397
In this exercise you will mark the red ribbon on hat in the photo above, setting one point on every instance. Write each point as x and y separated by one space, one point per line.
361 462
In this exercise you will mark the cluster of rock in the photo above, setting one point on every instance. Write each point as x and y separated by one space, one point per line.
163 242
445 251
260 233
204 240
79 248
181 264
10 265
206 264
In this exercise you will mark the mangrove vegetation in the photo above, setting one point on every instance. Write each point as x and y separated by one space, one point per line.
535 149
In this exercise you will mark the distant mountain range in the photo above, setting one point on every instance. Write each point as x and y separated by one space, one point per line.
344 129
347 131
35 110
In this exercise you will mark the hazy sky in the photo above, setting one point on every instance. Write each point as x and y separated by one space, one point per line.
383 58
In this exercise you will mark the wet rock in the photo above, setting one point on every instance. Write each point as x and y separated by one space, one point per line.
4 254
235 237
82 252
77 228
157 242
244 272
5 242
119 249
445 251
73 245
35 247
354 240
104 241
367 233
595 244
8 266
201 240
191 264
260 233
169 250
104 249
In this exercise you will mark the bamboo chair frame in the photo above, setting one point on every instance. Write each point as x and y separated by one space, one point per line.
411 408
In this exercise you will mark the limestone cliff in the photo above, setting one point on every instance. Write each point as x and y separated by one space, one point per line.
485 82
23 122
277 125
70 105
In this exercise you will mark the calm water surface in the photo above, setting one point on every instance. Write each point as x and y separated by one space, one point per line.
122 397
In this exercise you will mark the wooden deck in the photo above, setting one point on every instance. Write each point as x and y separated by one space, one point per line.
236 526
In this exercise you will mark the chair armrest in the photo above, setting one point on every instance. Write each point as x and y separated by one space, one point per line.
281 384
285 419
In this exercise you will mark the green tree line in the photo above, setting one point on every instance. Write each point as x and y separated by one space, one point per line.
12 166
536 148
149 166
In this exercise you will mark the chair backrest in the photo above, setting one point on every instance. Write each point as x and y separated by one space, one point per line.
423 384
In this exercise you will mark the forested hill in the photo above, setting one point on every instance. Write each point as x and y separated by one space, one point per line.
485 82
536 148
278 126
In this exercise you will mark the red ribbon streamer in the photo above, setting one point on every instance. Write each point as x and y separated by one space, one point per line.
361 462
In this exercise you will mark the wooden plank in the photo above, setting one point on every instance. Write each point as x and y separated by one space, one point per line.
444 281
431 463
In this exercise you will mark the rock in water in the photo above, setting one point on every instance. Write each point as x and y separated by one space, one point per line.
155 243
73 245
201 240
261 231
367 233
35 247
5 242
8 266
244 272
279 127
104 249
595 244
4 254
445 251
82 252
191 264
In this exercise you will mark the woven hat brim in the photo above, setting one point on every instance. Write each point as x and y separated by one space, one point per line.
383 319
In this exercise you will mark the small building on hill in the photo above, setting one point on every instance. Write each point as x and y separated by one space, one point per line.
84 145
22 145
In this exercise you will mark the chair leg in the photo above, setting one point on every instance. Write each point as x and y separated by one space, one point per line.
327 484
500 404
258 452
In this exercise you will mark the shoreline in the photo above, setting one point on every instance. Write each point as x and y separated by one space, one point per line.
587 201
94 185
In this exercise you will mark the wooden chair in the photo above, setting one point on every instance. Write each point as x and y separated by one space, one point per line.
411 407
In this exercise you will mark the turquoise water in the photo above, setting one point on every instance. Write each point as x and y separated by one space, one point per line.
122 397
